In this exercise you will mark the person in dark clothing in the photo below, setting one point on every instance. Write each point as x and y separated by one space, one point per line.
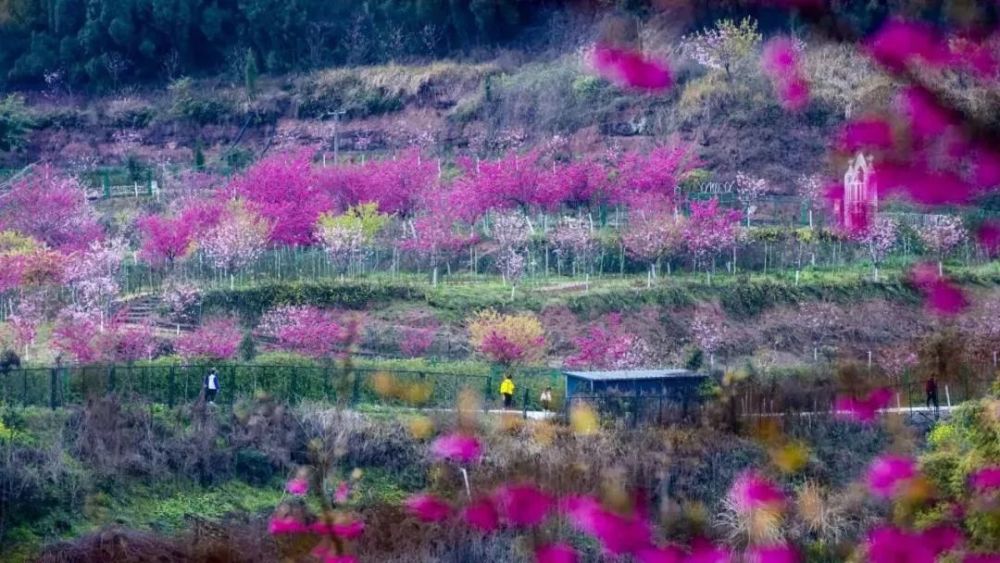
932 393
211 386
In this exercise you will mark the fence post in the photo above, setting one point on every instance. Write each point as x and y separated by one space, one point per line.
356 388
635 408
24 387
111 378
53 379
487 393
170 387
524 405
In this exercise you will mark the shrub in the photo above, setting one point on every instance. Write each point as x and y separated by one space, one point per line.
14 122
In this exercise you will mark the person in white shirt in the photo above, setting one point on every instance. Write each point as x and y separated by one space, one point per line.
211 386
546 399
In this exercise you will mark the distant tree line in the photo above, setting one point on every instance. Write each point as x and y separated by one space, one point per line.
104 42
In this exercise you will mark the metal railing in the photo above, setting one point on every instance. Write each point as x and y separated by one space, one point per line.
57 386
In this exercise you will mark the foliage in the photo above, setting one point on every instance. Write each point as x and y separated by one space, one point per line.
607 346
710 230
119 41
729 46
309 331
216 339
14 123
238 240
507 339
51 208
942 235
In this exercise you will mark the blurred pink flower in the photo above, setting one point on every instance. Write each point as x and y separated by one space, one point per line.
986 167
630 69
941 295
887 472
347 530
751 491
428 507
772 554
343 492
898 43
922 184
927 118
866 409
286 525
298 486
942 538
891 545
327 553
780 57
986 479
988 235
523 505
864 134
556 553
793 93
981 558
482 515
457 447
780 62
659 555
703 551
618 534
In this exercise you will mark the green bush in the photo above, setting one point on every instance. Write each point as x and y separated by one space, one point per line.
198 107
253 466
251 302
15 122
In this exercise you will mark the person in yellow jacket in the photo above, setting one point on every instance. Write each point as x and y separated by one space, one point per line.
507 390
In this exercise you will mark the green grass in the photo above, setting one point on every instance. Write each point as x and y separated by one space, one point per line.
168 508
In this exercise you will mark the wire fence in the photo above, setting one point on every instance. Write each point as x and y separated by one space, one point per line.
777 398
786 256
171 385
57 386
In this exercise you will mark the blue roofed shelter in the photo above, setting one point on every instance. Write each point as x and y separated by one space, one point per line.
642 390
633 382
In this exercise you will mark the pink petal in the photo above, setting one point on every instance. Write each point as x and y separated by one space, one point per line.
297 486
886 473
659 555
287 525
864 134
428 508
942 538
618 534
889 545
556 553
772 554
343 492
458 447
482 515
927 118
922 184
986 479
627 68
865 409
988 235
523 505
898 42
779 57
750 491
705 552
986 167
794 94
